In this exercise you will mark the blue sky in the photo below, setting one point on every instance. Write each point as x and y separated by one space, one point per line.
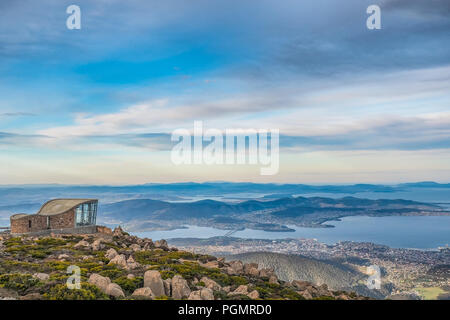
97 105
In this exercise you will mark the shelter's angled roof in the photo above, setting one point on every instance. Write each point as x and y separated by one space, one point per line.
58 206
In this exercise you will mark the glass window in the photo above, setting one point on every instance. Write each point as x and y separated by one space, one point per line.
86 214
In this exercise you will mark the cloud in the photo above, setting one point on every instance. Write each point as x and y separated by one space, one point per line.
17 114
357 112
439 7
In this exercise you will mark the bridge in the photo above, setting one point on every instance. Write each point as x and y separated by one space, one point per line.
229 233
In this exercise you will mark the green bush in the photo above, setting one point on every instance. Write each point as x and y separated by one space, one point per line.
129 285
111 271
39 254
86 292
13 242
51 242
18 282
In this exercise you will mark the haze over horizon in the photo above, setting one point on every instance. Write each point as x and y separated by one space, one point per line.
97 105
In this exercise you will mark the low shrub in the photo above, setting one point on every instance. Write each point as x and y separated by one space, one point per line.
18 282
86 292
129 285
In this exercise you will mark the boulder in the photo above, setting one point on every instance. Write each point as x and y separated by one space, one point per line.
253 295
143 292
206 294
131 276
63 256
167 287
31 296
99 281
118 231
203 294
300 285
273 279
323 290
242 289
114 290
83 244
195 295
120 261
253 272
135 247
251 269
306 294
237 267
266 272
97 245
180 288
153 280
162 244
211 264
132 264
41 276
210 284
111 253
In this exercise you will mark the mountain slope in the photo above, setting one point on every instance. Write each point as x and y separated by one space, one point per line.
297 267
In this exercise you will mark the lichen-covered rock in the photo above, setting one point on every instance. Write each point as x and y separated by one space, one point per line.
237 267
83 244
253 295
203 294
41 276
120 261
99 281
211 284
207 294
266 272
145 292
242 289
31 296
63 256
153 280
251 269
131 263
167 287
118 232
114 290
111 253
97 245
273 279
180 288
211 264
162 244
135 247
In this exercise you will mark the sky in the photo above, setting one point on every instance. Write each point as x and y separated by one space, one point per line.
98 105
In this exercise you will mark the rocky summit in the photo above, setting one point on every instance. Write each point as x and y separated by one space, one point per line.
120 266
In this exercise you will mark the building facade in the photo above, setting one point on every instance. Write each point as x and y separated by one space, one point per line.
70 215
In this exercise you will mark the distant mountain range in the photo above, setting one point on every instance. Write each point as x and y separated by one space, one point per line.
153 205
19 194
269 215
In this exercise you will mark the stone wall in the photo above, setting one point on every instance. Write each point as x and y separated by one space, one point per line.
37 223
77 230
63 220
29 223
